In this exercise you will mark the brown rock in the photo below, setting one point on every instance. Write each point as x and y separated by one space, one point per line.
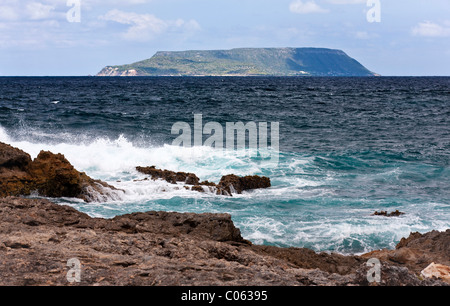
51 175
55 177
230 184
15 182
393 276
14 179
437 271
418 251
227 186
207 183
308 259
198 188
13 158
169 176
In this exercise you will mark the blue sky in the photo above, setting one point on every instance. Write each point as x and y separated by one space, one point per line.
36 37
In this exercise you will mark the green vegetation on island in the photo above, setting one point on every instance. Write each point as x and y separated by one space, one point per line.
245 62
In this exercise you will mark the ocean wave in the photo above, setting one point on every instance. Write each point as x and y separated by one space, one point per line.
312 203
115 160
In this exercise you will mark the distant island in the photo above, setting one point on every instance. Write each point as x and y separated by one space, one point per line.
245 62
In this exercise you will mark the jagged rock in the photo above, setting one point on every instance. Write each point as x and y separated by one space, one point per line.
197 188
13 158
49 174
15 182
308 259
14 179
418 251
207 183
230 184
392 275
170 176
55 177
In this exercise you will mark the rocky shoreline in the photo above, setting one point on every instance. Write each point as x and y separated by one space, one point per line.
38 239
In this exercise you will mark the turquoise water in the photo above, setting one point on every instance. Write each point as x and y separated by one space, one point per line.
348 147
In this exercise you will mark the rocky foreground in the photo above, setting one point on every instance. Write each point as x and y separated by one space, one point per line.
41 241
38 238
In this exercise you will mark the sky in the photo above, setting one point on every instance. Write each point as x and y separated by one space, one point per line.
80 37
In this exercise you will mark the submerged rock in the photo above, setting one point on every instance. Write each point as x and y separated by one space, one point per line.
50 175
396 213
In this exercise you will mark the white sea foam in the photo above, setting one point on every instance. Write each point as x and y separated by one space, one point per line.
4 136
355 231
115 162
264 229
299 210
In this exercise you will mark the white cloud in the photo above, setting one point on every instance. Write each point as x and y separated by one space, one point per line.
13 10
141 25
309 7
362 35
18 11
99 2
91 4
37 11
144 27
122 2
431 29
347 1
8 13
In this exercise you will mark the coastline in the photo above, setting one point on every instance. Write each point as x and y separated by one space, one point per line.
38 238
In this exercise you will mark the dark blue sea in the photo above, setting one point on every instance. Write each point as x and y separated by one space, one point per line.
347 147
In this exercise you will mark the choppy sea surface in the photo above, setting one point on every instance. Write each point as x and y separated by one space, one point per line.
347 147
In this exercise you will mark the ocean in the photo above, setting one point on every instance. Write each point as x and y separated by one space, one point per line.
347 147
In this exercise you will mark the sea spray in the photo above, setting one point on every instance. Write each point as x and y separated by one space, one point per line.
348 147
233 137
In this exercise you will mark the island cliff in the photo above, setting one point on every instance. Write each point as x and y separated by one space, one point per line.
245 62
